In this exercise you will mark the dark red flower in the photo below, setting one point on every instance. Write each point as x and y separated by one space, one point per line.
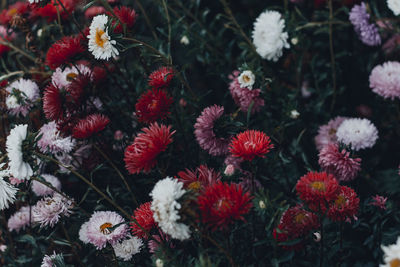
142 154
144 217
317 189
345 206
63 51
222 203
200 178
49 11
52 103
153 105
90 125
126 15
18 8
77 88
94 11
161 78
98 74
250 144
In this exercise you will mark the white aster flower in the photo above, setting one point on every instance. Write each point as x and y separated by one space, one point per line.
18 167
100 43
7 191
269 37
391 255
394 5
246 79
52 141
185 40
22 95
128 247
357 133
294 114
166 208
49 210
12 102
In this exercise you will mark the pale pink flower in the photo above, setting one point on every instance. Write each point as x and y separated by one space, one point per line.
327 133
49 210
51 140
20 219
42 190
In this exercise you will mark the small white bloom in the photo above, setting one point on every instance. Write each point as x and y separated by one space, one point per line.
7 191
100 43
18 167
294 114
261 204
294 40
357 133
3 248
39 33
159 263
166 208
52 141
246 79
317 236
394 5
22 95
185 40
12 102
128 247
391 255
269 37
34 1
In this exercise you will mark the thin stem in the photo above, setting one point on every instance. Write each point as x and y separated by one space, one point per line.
320 23
146 18
59 17
227 254
332 53
22 52
164 2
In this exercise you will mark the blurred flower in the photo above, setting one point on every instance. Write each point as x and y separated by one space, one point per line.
391 45
99 229
42 190
52 260
198 179
3 248
234 161
379 201
250 144
305 91
161 78
52 141
52 103
159 239
63 51
144 217
184 40
126 15
48 210
327 133
15 152
142 154
166 208
118 135
367 32
294 40
339 163
364 110
345 206
159 263
90 125
394 5
153 105
222 203
7 191
100 43
22 96
248 183
93 11
182 102
128 247
261 204
16 9
229 170
294 114
317 236
268 34
20 219
391 255
51 10
5 35
246 79
385 80
205 134
357 133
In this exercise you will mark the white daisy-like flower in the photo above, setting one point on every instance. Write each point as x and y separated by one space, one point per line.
246 79
63 77
7 191
394 5
357 133
53 260
269 37
165 207
34 1
391 255
18 167
52 141
294 114
185 40
22 95
42 190
128 247
49 210
100 43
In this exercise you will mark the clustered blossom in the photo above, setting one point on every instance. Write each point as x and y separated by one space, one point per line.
143 215
51 140
246 79
250 144
22 95
90 125
161 78
327 133
357 133
345 206
379 201
128 247
49 210
199 178
5 35
52 260
366 31
63 51
153 105
385 80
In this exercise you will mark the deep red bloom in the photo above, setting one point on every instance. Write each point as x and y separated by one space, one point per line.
63 51
161 78
94 11
49 11
142 154
52 103
126 15
200 178
5 36
98 74
345 206
18 8
153 105
77 88
250 144
90 125
317 189
144 217
222 203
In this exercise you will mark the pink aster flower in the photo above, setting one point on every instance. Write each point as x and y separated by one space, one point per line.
49 210
339 163
51 140
20 219
234 161
161 238
385 81
61 78
327 133
204 131
379 201
99 229
42 190
244 97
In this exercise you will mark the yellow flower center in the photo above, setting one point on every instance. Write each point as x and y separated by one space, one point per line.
332 131
48 202
153 104
320 186
104 228
71 76
246 78
340 201
12 12
299 218
101 37
195 186
395 263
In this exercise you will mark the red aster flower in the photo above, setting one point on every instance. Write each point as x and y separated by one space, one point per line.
49 11
153 105
63 51
317 189
250 144
222 203
19 8
94 11
126 15
200 178
52 103
77 87
142 154
345 206
90 125
379 201
161 78
144 216
98 74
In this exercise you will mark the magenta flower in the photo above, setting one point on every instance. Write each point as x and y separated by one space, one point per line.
327 133
379 201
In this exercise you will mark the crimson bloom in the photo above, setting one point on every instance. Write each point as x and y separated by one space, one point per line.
317 189
142 154
18 8
90 125
49 11
63 51
161 78
153 105
144 217
199 178
222 203
126 15
52 103
345 206
250 144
